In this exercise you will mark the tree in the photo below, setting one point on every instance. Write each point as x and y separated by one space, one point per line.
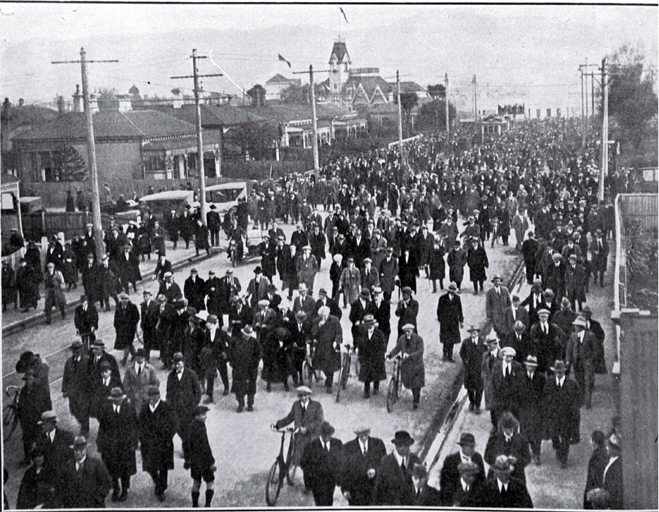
632 101
432 115
436 91
408 100
257 139
69 165
296 94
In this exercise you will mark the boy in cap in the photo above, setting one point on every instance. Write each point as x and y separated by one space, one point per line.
393 482
201 462
362 456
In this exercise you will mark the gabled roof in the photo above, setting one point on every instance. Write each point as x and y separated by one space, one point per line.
287 112
136 124
215 115
341 51
279 78
370 85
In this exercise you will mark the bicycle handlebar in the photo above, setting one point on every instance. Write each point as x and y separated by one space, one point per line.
285 430
11 388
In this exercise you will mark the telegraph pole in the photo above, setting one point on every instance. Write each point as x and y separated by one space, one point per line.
604 168
475 100
583 122
91 150
592 93
200 145
400 127
446 102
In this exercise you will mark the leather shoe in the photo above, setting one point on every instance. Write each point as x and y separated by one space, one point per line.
415 406
161 496
240 408
124 495
367 394
250 408
225 392
115 495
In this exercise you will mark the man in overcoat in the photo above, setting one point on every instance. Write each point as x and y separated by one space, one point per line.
388 273
306 267
562 417
580 356
372 346
244 357
449 479
194 290
362 457
214 356
531 397
126 318
393 479
157 423
85 319
257 289
503 491
117 440
451 319
599 250
328 334
506 381
510 442
138 379
413 373
183 394
56 444
477 262
407 310
322 462
75 385
148 321
83 481
471 354
575 283
497 300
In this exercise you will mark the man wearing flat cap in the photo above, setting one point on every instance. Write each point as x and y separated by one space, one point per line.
194 290
362 456
389 269
449 479
83 481
469 486
321 462
304 301
117 440
393 479
580 356
545 341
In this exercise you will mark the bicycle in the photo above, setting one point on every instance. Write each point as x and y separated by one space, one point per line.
344 372
87 340
395 384
10 412
308 371
282 469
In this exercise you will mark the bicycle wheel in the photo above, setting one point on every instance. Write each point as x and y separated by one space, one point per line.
340 384
346 371
392 394
234 257
9 421
273 484
290 460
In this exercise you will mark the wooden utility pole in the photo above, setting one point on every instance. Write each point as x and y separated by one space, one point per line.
475 100
400 127
200 144
448 129
91 151
604 168
583 119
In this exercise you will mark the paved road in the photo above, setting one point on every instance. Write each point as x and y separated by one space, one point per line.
243 444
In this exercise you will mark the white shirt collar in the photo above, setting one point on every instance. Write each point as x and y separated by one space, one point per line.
154 407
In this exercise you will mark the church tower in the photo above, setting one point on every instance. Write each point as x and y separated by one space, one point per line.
339 70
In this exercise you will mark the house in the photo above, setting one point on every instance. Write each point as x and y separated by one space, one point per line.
131 145
277 84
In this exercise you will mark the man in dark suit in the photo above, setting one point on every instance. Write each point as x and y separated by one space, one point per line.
516 313
580 356
506 375
307 417
214 356
407 310
157 424
170 289
194 290
228 287
449 479
531 395
503 491
471 353
468 487
393 480
534 302
56 443
299 328
424 494
545 341
214 224
321 463
517 339
304 301
358 310
117 440
562 418
126 318
83 481
85 319
148 321
529 250
508 441
361 457
75 385
612 478
324 300
451 319
372 346
596 328
183 394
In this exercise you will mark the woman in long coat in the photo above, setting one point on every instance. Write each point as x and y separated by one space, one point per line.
371 354
70 267
477 263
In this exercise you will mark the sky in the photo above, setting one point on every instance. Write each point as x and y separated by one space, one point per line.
528 52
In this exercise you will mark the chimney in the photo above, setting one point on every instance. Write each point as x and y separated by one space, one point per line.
60 104
21 102
77 100
5 143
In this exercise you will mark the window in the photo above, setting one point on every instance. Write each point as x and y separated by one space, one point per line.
154 163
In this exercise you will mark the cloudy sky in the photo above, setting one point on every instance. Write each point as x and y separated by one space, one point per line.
530 52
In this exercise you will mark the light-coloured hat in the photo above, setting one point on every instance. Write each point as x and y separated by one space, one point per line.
303 390
324 311
361 429
502 465
579 321
408 327
168 274
508 351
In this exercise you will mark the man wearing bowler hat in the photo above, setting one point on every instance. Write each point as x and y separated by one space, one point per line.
117 441
562 417
75 385
393 479
139 377
202 462
257 289
55 442
83 481
361 456
503 491
321 462
449 479
183 394
451 319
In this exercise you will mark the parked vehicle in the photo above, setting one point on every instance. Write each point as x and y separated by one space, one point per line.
162 203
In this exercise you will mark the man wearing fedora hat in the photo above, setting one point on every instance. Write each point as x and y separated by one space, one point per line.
393 480
503 491
612 477
83 481
75 385
456 261
213 353
102 385
508 441
183 394
451 319
117 440
575 283
126 318
362 456
304 301
157 423
257 289
322 462
244 357
194 290
531 397
562 417
139 377
359 309
599 250
372 346
471 354
497 301
55 442
85 319
32 402
449 479
325 300
580 355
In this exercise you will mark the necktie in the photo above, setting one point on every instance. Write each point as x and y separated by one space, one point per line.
139 369
402 466
507 372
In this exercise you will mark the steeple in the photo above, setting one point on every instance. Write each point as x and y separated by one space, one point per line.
339 69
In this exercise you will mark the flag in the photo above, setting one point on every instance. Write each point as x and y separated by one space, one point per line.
344 14
283 59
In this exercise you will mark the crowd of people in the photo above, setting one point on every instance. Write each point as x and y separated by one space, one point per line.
383 227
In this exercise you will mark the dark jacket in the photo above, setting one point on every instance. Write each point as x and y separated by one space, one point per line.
86 488
517 447
449 477
472 358
200 452
562 415
392 485
517 495
449 315
117 439
356 465
84 321
157 431
184 394
320 466
125 324
371 354
598 461
195 291
612 482
57 453
244 356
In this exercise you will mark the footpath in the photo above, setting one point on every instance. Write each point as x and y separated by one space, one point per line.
548 484
14 320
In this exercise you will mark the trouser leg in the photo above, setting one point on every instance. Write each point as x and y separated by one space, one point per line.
416 394
589 384
224 373
329 379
